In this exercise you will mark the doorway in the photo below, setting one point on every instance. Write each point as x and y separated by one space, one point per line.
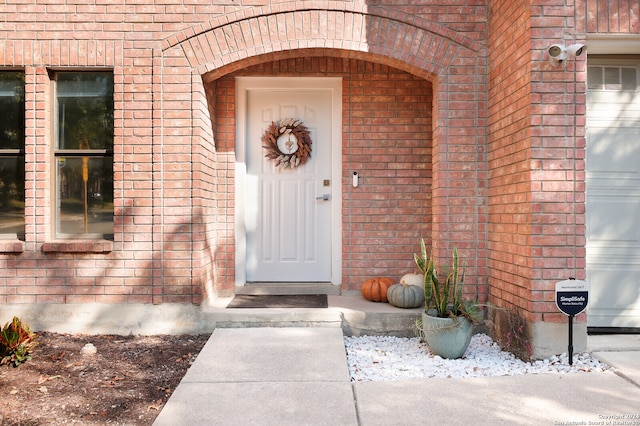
288 226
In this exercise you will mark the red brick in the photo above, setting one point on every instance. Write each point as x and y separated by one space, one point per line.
473 182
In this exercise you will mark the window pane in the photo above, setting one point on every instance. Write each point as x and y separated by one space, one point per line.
85 110
11 110
612 78
594 78
12 197
85 195
629 79
12 162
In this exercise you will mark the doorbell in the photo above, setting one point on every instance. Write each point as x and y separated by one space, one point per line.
355 179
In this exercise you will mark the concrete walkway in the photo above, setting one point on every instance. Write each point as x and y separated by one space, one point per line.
299 376
266 376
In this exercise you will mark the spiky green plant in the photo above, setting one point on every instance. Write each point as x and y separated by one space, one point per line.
445 296
17 342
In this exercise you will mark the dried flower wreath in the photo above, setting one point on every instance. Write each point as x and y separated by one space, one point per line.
288 143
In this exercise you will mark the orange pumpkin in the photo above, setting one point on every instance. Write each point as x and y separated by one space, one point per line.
375 289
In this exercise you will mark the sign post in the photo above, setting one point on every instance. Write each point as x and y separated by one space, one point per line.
572 297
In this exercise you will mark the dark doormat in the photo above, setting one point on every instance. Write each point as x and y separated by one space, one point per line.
279 301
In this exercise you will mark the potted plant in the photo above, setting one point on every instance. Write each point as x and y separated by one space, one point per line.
447 321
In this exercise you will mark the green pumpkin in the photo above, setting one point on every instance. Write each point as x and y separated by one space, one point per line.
405 296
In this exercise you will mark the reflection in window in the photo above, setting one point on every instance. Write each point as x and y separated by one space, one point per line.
84 154
12 176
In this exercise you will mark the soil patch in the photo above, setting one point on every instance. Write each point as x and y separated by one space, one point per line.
126 382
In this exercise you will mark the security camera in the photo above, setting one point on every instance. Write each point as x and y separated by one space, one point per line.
576 50
557 53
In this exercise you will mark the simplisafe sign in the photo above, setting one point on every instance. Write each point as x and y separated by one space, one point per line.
572 296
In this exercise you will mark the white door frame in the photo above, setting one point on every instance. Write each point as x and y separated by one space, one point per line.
331 84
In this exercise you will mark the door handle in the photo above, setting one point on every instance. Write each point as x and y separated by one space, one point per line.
324 197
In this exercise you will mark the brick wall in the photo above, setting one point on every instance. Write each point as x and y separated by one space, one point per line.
173 183
536 158
386 136
491 158
173 180
509 156
557 158
457 71
609 17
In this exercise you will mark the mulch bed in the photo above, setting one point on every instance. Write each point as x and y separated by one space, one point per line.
127 382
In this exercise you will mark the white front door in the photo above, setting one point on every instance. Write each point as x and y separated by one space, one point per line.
613 194
288 213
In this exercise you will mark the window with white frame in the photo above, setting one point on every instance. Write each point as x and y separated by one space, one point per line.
12 177
612 78
84 154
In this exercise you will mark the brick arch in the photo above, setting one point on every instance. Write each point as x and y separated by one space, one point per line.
400 40
455 64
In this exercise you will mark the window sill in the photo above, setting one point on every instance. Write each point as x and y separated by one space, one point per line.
11 246
78 246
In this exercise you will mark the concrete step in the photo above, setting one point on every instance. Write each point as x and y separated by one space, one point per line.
350 311
261 288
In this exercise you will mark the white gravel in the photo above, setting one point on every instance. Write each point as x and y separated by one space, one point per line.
383 358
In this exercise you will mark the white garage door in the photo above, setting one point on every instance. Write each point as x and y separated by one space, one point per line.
613 194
